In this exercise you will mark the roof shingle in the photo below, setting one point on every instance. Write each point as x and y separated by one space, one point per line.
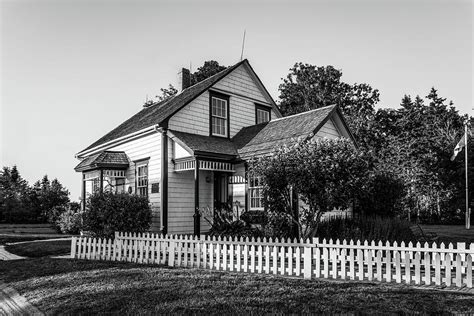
261 140
159 112
117 159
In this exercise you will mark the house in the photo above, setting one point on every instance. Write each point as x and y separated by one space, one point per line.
189 152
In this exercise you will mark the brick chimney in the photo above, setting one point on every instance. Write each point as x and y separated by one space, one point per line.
184 79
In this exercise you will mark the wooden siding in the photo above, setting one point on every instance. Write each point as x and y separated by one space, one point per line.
145 147
328 130
181 198
239 81
193 118
244 93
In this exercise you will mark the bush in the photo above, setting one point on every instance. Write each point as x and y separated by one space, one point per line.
222 223
370 228
70 222
108 212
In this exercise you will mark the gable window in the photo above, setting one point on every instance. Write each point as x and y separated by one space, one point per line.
262 114
219 110
255 193
142 178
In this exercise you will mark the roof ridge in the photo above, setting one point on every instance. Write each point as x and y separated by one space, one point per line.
301 113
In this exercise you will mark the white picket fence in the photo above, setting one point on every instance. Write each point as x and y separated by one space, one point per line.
418 264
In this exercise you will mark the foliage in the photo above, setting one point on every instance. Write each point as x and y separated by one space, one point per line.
223 224
70 222
167 93
325 173
367 228
109 212
413 143
309 87
15 203
208 69
383 195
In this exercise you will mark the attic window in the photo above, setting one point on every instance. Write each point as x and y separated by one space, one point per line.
262 114
219 118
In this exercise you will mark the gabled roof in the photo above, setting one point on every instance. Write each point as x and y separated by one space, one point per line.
111 159
262 139
162 111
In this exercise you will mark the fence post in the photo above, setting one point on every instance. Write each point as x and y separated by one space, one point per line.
73 247
171 253
307 261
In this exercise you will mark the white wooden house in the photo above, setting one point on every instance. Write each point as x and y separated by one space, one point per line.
190 152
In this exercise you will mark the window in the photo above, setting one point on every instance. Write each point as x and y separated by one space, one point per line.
255 193
95 185
142 179
262 114
119 185
219 110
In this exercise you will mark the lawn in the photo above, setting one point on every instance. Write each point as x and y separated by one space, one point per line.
76 286
451 233
41 248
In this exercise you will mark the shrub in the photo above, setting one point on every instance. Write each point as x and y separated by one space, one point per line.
370 228
223 224
70 222
109 212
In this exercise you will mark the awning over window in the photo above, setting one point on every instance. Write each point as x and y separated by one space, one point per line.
111 160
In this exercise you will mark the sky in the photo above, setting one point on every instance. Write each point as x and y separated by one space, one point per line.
70 71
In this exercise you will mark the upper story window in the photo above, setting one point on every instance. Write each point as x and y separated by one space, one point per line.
219 115
142 178
262 114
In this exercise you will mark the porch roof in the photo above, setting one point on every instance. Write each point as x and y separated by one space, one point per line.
104 159
205 144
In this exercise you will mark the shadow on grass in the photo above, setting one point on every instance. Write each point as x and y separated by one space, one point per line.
40 248
20 270
68 286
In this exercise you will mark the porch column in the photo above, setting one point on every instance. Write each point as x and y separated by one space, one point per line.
164 183
246 179
101 185
83 192
197 216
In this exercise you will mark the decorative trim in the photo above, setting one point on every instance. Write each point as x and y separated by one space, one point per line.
190 164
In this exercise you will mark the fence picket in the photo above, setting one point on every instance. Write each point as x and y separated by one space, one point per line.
367 260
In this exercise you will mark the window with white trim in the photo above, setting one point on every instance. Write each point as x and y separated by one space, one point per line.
219 116
142 178
255 193
263 115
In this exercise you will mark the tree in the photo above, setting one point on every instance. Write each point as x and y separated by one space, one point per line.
15 206
325 173
208 69
53 198
166 94
309 87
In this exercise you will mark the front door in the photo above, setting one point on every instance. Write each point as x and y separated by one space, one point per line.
221 190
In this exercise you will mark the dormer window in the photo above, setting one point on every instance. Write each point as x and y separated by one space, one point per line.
219 118
262 114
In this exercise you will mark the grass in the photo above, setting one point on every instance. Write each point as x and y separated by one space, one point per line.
5 239
451 233
76 286
40 248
